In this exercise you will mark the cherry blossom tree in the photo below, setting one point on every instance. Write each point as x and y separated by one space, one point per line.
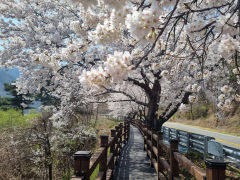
37 36
170 50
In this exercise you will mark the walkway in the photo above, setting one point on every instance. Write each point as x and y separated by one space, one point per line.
133 162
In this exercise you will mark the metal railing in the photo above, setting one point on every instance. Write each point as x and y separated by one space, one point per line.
187 141
232 154
204 144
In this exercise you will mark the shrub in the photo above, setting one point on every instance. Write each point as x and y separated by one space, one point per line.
198 111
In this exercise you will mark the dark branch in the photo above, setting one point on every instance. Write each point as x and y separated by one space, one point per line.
184 100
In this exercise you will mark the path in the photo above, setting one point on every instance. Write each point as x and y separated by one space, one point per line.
133 162
228 140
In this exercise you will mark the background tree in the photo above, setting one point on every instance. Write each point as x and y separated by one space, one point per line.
5 103
19 101
43 149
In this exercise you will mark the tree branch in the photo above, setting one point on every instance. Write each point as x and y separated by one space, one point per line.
165 117
145 87
160 33
127 95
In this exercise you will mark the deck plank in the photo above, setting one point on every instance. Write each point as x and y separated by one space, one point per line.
133 162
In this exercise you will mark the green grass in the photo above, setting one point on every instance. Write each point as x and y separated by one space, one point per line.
14 118
112 124
95 173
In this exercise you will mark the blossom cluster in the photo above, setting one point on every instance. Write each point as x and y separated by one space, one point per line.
142 24
116 69
228 46
118 65
94 77
225 100
105 33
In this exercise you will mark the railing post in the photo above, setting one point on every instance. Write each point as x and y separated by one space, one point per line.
173 162
141 126
103 160
113 134
144 140
206 139
164 132
128 130
117 141
81 163
159 151
121 133
125 132
215 169
147 134
169 134
177 135
152 132
188 141
112 148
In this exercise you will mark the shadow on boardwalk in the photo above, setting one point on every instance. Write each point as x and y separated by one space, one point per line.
133 162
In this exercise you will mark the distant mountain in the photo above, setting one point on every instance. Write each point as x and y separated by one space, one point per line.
7 76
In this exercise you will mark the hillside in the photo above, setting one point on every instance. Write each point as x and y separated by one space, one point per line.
229 124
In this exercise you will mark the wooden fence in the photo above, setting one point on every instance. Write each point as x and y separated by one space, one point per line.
86 163
166 159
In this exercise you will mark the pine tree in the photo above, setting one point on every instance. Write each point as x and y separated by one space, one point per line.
5 103
17 100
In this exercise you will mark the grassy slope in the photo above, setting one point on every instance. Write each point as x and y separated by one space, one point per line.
228 125
14 118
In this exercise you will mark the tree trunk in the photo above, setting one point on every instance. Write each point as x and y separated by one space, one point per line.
22 110
96 116
191 112
49 159
153 100
152 119
50 171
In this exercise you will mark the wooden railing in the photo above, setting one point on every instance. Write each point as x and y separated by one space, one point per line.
86 163
158 151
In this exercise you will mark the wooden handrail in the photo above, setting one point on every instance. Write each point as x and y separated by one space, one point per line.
155 146
85 164
197 172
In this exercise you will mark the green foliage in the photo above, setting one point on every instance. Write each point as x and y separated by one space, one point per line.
174 116
66 176
95 173
195 156
112 124
17 99
233 171
14 118
5 103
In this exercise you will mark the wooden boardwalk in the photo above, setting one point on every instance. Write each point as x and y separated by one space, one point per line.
133 162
